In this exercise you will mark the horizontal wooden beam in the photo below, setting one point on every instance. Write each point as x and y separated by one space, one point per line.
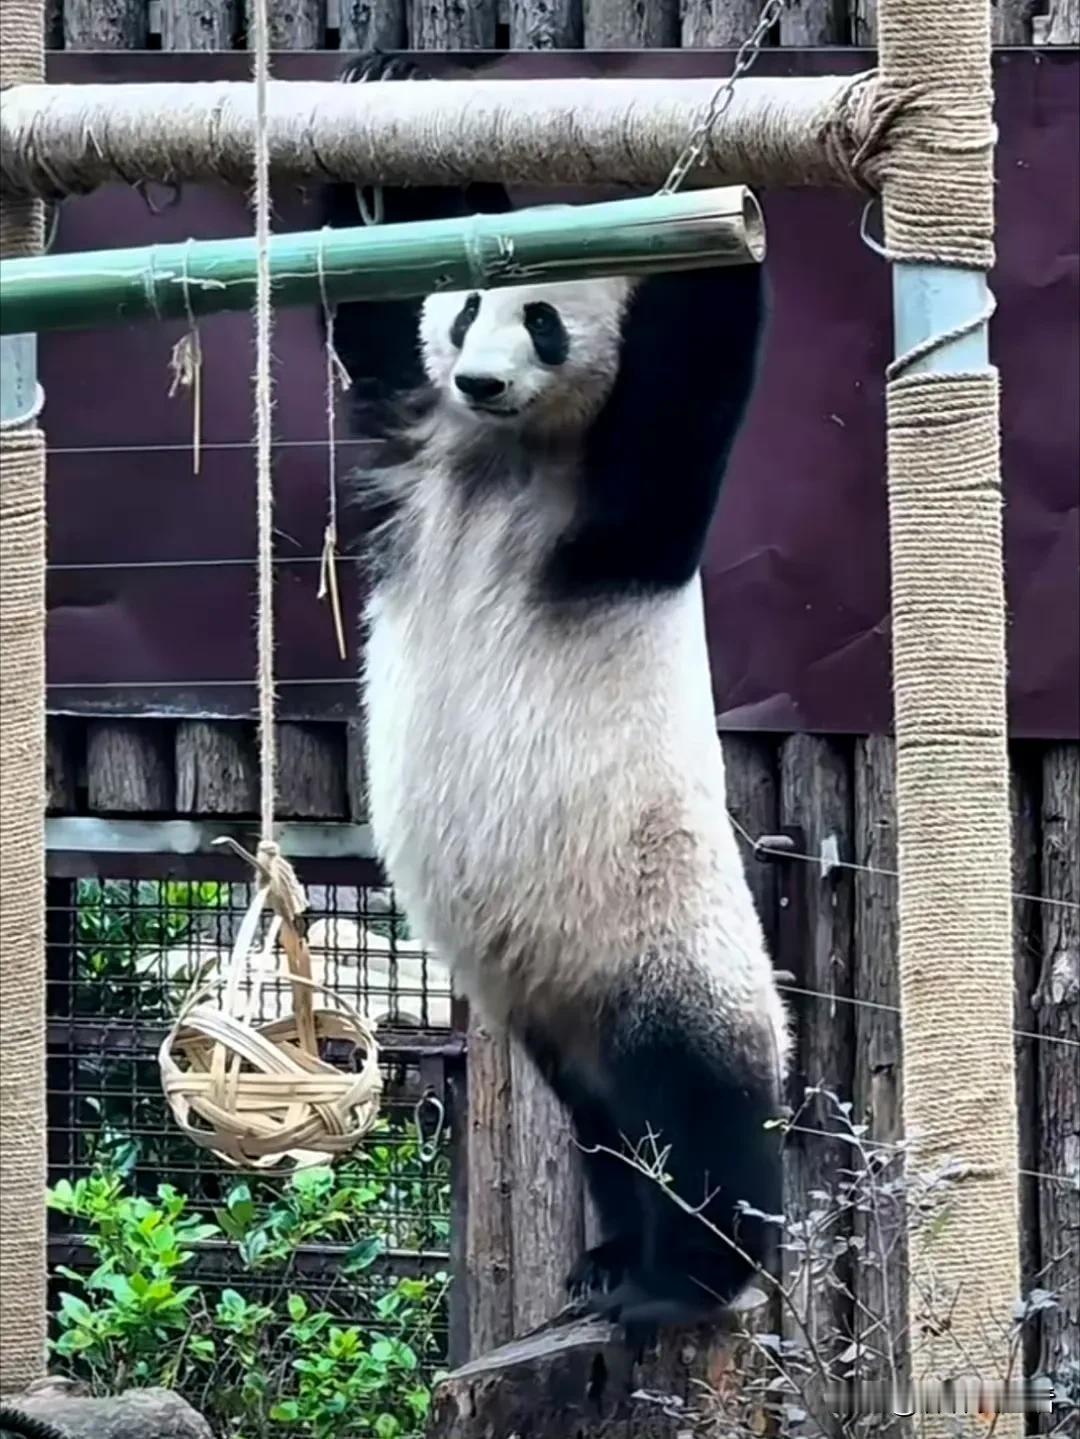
78 834
57 140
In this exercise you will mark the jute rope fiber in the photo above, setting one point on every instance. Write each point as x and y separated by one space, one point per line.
948 623
66 139
22 811
261 1094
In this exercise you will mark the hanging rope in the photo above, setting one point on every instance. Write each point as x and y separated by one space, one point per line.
260 1093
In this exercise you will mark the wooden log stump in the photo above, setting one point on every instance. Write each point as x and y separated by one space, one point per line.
580 1380
135 1414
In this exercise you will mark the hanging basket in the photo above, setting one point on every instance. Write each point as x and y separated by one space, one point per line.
260 1095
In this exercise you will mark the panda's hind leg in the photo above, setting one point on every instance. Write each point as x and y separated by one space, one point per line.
696 1100
615 1190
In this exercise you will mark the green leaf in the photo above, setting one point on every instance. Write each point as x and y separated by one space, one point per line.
61 1196
361 1256
297 1308
287 1412
74 1310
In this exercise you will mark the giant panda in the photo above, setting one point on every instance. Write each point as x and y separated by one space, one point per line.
546 781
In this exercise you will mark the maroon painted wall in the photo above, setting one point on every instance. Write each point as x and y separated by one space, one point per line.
151 582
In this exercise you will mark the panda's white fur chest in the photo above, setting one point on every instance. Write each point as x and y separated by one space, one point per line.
547 788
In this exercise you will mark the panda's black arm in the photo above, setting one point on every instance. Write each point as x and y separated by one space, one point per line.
657 453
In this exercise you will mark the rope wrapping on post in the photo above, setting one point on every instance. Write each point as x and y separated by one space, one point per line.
948 628
22 909
938 172
23 1296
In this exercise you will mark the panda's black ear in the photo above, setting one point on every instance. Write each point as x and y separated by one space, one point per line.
376 340
340 207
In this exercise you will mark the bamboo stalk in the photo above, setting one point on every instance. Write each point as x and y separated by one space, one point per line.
689 230
68 139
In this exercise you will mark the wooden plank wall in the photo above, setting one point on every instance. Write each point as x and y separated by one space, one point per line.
830 917
505 24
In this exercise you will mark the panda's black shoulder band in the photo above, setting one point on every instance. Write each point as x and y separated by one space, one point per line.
655 458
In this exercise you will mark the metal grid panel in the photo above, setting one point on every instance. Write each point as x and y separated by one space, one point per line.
121 953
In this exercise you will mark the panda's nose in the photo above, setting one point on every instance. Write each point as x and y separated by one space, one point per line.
481 388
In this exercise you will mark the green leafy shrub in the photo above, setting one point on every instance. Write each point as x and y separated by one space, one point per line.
259 1365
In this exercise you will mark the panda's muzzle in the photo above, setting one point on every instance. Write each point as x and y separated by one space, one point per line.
484 392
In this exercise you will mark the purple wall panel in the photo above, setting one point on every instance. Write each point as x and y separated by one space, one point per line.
797 568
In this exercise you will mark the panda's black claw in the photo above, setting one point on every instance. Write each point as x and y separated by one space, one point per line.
377 65
600 1268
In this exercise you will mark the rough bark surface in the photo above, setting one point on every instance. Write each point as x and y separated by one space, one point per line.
816 797
1057 1006
488 1241
372 24
631 24
546 1204
129 767
545 24
217 771
581 1382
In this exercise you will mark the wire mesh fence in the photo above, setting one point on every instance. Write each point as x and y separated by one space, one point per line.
257 1276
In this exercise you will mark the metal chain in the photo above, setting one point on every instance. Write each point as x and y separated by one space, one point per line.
745 56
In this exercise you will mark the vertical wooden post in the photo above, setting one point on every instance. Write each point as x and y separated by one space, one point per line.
546 1202
488 1240
217 770
752 799
881 1286
1057 1007
199 24
22 784
452 24
294 24
106 24
717 24
808 23
129 767
815 796
545 24
372 24
619 25
1026 803
1062 23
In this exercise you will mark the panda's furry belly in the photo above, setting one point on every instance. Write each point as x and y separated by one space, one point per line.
547 793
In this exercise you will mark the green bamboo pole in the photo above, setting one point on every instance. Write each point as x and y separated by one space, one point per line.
690 230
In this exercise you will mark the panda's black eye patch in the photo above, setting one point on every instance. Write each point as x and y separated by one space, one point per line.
464 318
549 337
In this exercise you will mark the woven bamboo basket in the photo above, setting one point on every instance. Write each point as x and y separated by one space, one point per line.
261 1095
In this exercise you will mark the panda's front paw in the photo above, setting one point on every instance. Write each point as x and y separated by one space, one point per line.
600 1269
374 65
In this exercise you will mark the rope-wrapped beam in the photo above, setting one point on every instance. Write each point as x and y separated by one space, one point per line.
58 140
